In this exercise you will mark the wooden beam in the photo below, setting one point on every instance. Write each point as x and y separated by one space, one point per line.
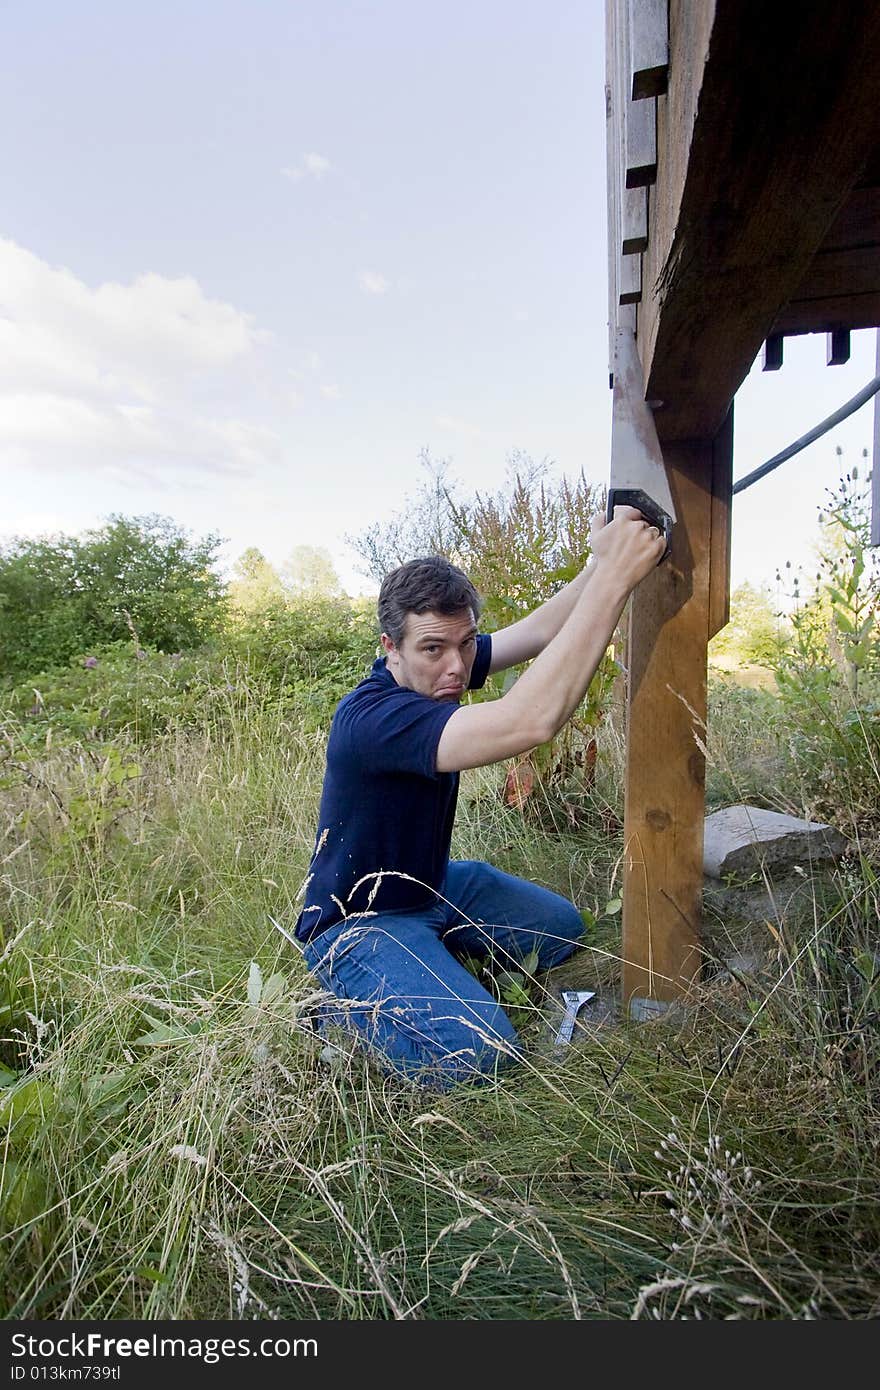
770 118
665 776
627 208
612 180
639 117
822 315
649 48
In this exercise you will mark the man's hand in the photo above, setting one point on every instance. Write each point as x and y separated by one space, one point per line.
628 547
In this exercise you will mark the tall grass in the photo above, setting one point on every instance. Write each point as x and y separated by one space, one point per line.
177 1141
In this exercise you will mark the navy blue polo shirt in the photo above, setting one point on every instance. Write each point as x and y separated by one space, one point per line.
385 809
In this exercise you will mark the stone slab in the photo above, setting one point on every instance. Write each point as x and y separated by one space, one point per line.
744 839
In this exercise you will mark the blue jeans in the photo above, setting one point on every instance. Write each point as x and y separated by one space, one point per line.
409 998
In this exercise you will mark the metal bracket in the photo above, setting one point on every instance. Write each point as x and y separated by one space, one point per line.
645 1010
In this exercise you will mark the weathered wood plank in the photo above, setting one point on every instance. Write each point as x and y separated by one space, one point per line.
613 155
821 315
721 513
634 237
630 279
850 271
665 776
632 202
857 223
649 48
770 118
639 117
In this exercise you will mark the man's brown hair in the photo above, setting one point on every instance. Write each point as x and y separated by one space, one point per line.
430 584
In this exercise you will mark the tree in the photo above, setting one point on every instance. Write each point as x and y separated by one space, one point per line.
428 523
256 584
310 573
755 630
134 576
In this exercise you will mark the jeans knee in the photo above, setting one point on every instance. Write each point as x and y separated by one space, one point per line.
471 1044
477 1049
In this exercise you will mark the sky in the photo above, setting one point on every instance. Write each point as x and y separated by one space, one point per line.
255 258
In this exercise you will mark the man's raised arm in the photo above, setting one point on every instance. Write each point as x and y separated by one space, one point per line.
548 693
528 636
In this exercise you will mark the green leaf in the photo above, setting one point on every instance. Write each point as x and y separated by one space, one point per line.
273 988
254 984
531 962
24 1108
24 1193
163 1035
613 906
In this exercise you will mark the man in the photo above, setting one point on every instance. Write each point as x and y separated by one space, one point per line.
386 913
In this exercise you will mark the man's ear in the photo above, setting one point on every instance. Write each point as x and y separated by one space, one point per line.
387 644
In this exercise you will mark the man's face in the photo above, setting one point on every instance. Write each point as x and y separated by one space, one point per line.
435 654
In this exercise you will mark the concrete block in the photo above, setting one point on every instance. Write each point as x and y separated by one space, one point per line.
743 839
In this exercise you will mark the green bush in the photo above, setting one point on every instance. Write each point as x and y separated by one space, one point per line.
308 652
829 674
116 688
141 578
302 656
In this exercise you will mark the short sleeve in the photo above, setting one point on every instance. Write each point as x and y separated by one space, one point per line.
396 732
482 661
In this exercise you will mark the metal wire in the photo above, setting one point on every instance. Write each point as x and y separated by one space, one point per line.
815 433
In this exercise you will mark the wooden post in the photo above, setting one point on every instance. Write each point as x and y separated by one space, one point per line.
666 728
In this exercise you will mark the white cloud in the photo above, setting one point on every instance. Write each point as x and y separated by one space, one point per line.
331 391
464 427
371 282
109 375
316 164
313 165
44 523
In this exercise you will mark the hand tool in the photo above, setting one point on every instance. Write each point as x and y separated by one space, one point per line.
574 999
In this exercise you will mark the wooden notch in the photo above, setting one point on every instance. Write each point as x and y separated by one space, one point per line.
838 347
773 348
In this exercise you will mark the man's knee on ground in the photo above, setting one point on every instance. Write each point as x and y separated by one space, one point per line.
456 1047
